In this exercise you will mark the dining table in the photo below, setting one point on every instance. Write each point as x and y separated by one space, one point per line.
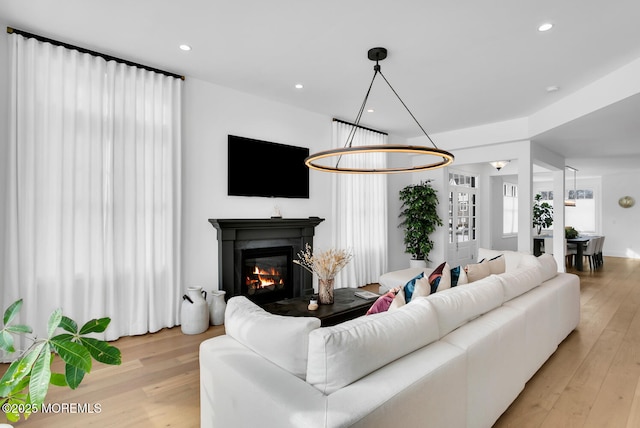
580 242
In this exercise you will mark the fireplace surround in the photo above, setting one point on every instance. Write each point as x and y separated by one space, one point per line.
268 246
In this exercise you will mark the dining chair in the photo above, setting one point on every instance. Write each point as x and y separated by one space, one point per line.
571 252
599 257
590 252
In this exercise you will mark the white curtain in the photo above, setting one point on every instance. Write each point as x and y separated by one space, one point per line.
93 209
359 216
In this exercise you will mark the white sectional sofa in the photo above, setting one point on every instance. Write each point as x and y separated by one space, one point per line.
456 358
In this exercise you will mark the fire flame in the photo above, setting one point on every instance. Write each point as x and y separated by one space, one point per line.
267 278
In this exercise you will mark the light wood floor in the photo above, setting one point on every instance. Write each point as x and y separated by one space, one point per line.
593 379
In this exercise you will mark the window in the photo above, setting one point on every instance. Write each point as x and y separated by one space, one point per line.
510 208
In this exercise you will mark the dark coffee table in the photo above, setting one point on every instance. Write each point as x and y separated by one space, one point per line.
346 306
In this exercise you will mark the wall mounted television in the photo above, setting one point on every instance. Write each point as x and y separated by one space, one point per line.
262 168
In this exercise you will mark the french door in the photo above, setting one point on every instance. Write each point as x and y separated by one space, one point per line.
462 219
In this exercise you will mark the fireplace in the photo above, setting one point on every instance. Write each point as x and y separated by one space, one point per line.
255 257
267 273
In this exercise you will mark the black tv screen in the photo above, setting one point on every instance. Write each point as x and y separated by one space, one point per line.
262 168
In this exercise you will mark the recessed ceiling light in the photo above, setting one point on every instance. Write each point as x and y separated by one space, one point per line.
299 86
552 88
545 27
370 110
185 47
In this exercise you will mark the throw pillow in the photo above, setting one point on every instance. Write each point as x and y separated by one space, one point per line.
497 264
436 277
399 300
422 288
409 287
445 279
458 276
383 302
478 271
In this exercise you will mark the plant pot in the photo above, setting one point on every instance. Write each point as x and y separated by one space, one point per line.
416 263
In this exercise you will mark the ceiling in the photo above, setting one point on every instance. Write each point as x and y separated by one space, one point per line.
455 64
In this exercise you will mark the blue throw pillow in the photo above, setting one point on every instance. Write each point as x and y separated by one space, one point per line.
410 287
455 275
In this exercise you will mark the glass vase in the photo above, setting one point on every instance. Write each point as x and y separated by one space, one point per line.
325 291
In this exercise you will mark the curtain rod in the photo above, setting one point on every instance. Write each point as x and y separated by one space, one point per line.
90 52
359 126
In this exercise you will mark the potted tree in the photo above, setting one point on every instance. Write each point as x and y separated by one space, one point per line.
542 214
419 218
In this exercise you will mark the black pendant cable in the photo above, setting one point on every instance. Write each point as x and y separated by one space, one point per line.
444 158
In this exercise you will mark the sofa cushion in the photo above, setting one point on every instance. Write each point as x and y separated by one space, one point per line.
344 353
398 278
549 267
280 339
459 305
520 281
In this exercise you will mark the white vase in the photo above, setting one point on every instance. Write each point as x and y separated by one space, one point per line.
218 307
194 316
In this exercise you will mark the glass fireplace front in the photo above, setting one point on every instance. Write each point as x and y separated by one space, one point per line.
267 273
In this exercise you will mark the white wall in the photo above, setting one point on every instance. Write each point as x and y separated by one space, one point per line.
620 225
210 113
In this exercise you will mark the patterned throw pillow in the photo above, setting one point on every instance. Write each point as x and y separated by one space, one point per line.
440 278
410 287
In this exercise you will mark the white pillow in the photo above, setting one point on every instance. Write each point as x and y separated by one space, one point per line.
280 339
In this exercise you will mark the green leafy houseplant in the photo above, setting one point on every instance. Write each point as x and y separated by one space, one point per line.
542 214
570 232
25 384
419 218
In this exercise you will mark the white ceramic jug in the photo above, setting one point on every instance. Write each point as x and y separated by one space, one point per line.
195 313
218 306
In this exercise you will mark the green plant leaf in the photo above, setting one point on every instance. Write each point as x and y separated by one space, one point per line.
68 324
95 326
6 382
54 322
58 379
6 341
64 337
73 376
20 368
40 376
102 351
19 329
12 311
73 353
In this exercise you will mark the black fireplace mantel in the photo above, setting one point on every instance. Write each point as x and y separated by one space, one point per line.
234 235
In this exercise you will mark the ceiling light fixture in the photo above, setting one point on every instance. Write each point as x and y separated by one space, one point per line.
185 47
499 164
299 86
444 158
568 202
545 27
